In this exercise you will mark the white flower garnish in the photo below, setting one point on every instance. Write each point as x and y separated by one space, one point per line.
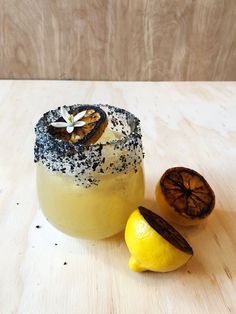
71 121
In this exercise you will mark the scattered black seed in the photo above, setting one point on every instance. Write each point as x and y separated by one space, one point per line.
17 203
38 226
65 263
94 166
56 244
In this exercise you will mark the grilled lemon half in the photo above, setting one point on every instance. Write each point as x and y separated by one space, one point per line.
154 244
184 196
95 120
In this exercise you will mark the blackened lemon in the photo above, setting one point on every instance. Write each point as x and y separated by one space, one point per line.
94 121
184 196
154 244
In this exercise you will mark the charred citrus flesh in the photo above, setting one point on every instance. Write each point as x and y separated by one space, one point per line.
185 192
96 122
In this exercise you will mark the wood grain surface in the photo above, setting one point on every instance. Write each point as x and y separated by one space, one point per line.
188 124
118 39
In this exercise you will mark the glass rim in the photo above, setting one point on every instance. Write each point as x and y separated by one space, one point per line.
86 162
43 123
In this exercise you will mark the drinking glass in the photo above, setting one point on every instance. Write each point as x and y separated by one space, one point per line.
89 191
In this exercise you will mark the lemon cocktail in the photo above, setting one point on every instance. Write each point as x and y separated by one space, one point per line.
89 169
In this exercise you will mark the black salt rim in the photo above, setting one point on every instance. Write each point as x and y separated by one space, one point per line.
165 230
86 163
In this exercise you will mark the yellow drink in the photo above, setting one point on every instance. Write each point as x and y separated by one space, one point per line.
92 191
93 213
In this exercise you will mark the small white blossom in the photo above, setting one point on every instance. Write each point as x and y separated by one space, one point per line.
71 121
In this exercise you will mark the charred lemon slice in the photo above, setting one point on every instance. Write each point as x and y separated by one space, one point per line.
184 196
154 244
94 122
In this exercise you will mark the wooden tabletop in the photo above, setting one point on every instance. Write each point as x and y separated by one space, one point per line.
45 271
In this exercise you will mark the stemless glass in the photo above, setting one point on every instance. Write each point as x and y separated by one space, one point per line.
89 191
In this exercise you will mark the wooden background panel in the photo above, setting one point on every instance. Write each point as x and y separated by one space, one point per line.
118 39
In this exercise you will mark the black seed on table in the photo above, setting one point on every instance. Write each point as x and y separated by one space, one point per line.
56 244
37 226
65 263
17 203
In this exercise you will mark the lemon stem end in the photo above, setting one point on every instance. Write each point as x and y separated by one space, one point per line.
134 265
